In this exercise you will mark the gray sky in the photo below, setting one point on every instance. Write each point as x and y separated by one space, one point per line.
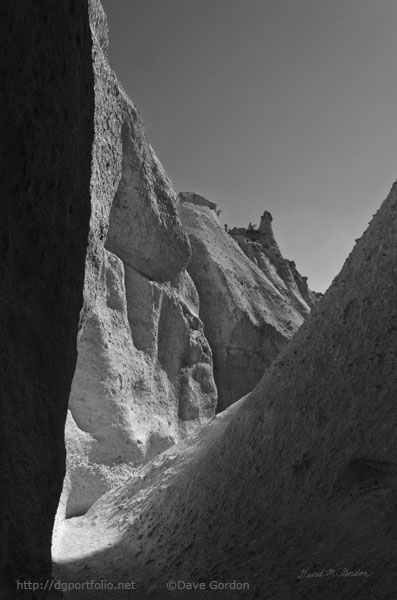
283 105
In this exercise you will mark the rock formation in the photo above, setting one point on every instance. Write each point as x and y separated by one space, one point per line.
46 133
249 312
296 495
260 245
144 376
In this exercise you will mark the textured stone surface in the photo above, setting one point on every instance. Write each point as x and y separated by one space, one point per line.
46 133
248 314
106 168
144 375
304 477
143 380
99 25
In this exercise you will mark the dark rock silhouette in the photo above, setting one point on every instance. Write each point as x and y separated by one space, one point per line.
46 134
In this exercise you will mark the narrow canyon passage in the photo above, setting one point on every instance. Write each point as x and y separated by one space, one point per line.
221 430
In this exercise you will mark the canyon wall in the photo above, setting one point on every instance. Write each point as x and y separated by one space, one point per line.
46 133
144 376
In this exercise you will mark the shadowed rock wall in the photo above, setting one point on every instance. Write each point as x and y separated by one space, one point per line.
305 476
46 133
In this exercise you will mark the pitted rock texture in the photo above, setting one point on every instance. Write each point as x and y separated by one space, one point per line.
302 480
260 245
248 316
106 168
143 381
46 134
144 377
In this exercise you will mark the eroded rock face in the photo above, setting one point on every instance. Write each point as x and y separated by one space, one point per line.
46 133
144 374
143 380
249 314
260 245
303 480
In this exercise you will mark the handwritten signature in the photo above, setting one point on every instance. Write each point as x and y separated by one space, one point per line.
307 574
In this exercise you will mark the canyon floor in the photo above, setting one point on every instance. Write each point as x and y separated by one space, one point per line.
93 547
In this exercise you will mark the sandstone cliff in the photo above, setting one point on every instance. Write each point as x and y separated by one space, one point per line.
46 133
144 376
249 312
302 480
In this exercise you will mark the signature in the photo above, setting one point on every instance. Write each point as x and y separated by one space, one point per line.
307 574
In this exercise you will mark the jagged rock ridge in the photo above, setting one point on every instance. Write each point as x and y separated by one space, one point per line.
260 245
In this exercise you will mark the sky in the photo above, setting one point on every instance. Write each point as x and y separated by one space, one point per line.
281 105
